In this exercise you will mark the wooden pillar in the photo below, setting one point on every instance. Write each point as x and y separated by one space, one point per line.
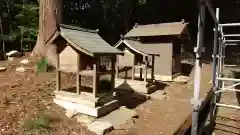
78 83
140 73
133 72
153 61
58 73
117 67
126 72
95 77
145 59
113 72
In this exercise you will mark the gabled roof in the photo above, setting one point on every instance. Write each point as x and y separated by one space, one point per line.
86 41
161 29
138 47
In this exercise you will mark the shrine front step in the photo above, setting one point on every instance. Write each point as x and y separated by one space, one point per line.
84 98
88 110
135 85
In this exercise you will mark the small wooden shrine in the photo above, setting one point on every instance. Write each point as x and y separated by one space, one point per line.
136 57
166 39
89 48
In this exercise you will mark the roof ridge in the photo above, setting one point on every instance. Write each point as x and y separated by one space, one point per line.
78 28
164 23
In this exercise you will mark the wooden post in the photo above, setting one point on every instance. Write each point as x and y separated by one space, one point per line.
140 73
126 72
95 77
153 61
113 73
133 72
117 67
78 83
145 67
57 73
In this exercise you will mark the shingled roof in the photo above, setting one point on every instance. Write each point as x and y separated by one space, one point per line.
141 48
86 41
161 29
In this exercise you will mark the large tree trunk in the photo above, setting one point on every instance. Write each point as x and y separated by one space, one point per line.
49 18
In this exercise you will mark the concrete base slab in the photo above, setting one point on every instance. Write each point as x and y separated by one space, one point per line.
89 110
134 85
85 119
84 98
119 117
100 127
70 113
75 98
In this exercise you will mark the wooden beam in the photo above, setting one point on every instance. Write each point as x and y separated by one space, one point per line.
113 73
140 73
57 73
153 62
78 83
133 68
133 72
117 67
126 72
95 77
145 59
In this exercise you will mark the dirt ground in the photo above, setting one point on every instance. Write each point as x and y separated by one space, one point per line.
27 97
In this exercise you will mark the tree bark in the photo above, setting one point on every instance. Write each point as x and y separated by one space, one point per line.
49 18
127 14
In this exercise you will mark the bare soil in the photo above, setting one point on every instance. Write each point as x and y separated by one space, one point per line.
28 95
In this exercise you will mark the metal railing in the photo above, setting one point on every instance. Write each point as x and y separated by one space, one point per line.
221 41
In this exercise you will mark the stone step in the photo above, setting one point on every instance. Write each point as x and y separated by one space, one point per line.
86 109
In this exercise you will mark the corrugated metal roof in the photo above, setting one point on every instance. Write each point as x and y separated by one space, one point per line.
161 29
87 41
143 48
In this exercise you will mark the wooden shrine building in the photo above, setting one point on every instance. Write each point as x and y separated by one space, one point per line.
136 57
88 47
164 39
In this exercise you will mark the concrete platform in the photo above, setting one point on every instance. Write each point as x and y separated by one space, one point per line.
86 104
135 85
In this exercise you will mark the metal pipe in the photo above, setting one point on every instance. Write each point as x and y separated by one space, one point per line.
229 24
215 51
228 79
232 40
228 106
232 86
220 54
198 66
215 72
232 35
224 90
210 9
231 44
230 65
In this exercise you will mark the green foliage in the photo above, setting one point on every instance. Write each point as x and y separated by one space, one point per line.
41 122
142 2
42 65
20 21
